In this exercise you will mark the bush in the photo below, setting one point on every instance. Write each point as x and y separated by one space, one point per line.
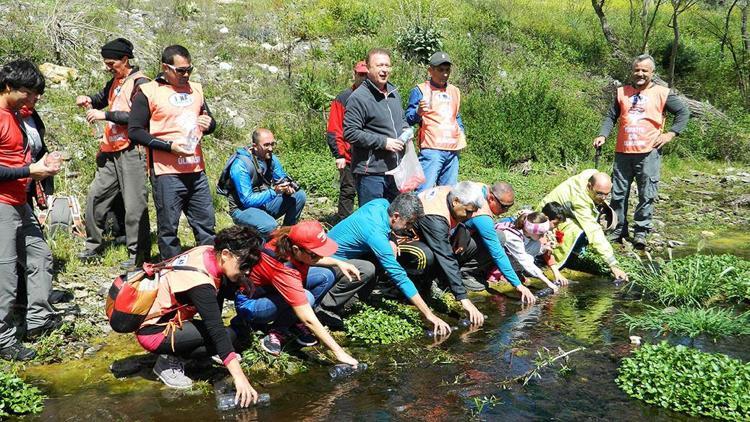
418 43
17 397
391 324
691 322
687 380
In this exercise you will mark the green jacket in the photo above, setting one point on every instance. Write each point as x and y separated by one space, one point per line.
582 214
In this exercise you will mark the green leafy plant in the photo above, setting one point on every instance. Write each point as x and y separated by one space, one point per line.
383 326
18 397
691 322
418 36
257 360
484 402
687 380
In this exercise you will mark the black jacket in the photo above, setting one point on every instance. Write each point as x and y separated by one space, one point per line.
48 184
371 117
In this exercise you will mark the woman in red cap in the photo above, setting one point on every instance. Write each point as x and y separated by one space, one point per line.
288 284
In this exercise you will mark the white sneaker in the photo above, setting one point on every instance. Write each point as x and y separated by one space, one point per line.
171 371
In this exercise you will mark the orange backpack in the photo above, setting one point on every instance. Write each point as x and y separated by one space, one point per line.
132 295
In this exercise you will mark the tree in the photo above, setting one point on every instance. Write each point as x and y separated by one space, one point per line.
678 8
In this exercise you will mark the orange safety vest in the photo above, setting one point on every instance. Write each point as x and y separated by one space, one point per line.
174 116
435 202
641 117
439 128
120 93
171 282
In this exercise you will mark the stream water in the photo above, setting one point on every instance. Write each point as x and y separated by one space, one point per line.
459 379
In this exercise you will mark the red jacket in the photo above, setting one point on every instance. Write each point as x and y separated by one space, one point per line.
14 154
340 148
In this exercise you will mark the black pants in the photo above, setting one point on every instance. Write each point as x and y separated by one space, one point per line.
344 290
177 193
192 341
347 193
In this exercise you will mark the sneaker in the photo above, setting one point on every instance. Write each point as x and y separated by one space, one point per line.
171 371
17 351
218 360
271 343
330 320
51 324
472 284
88 256
304 336
639 241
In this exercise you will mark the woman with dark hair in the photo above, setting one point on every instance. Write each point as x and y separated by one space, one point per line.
287 287
182 294
524 240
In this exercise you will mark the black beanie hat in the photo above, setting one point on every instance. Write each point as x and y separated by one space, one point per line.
115 49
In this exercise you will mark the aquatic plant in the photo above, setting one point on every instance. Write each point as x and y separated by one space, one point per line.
589 262
256 360
17 397
691 322
688 380
695 280
392 324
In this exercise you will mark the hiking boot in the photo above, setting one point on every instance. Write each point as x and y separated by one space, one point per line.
17 351
639 241
330 320
472 284
305 337
171 371
51 324
272 342
88 256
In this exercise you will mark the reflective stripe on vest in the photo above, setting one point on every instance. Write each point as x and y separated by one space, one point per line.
439 128
116 136
171 282
174 116
435 202
641 117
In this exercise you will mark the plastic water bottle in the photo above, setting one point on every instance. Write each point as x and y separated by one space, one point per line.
191 141
97 128
53 160
226 401
544 292
343 370
406 135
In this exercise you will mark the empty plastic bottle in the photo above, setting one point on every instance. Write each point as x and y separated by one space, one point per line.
544 292
191 141
226 401
343 370
406 135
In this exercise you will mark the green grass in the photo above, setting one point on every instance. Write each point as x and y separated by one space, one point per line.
692 322
687 380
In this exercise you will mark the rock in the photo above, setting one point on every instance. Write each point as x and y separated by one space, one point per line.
92 350
706 233
273 69
670 310
239 122
58 74
225 66
224 30
635 340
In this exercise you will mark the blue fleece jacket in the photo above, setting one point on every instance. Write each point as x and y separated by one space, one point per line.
484 225
367 231
245 179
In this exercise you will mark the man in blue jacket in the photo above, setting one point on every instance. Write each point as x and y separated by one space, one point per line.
260 190
366 234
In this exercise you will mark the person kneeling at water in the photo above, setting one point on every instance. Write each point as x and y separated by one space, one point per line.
176 335
285 285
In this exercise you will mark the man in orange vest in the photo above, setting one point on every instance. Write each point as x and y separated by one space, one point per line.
434 105
120 165
640 108
170 116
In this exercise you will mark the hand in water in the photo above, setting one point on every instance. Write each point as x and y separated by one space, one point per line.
439 327
476 317
526 295
246 394
344 357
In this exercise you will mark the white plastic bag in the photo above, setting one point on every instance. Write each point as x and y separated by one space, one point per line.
408 175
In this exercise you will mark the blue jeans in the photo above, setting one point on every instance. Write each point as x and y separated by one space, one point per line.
440 168
264 218
268 306
371 186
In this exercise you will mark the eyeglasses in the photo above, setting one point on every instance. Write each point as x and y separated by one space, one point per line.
180 70
503 206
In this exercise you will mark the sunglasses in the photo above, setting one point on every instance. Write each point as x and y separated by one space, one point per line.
503 206
180 70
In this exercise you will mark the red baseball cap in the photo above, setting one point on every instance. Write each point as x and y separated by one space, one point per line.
360 67
312 236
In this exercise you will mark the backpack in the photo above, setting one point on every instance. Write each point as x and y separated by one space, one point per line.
63 213
133 294
225 186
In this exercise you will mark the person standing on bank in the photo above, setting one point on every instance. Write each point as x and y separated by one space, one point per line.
340 148
21 240
640 108
120 164
373 122
169 116
434 105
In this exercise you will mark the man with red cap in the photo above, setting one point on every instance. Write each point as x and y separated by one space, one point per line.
340 147
120 164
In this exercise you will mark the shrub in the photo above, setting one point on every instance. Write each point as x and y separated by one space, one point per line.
687 380
17 397
418 43
691 322
391 324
